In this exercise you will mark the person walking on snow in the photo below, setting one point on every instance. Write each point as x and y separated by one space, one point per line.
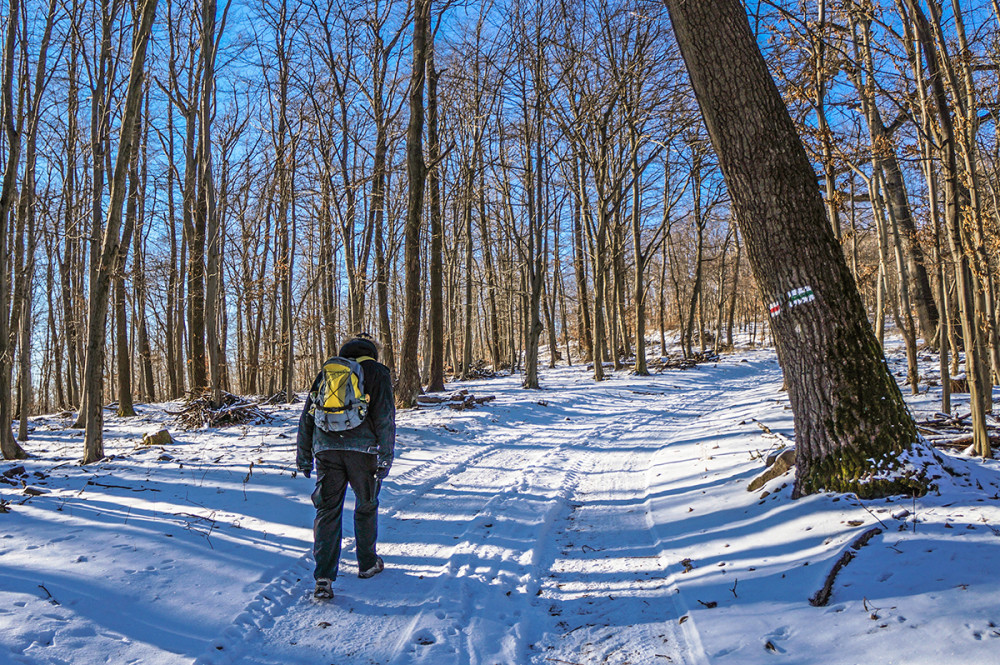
360 456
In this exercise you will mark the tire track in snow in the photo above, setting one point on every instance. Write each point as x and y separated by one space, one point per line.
276 598
283 601
580 614
477 545
491 562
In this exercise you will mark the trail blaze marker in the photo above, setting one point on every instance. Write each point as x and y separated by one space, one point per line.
794 297
800 296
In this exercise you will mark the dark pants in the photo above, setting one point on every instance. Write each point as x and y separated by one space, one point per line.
335 469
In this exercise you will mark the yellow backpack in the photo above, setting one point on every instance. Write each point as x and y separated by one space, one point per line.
340 402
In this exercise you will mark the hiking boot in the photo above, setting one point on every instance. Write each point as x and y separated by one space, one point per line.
374 570
324 589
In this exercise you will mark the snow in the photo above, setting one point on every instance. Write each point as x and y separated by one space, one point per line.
583 523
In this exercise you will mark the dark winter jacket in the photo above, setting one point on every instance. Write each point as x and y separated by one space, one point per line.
376 435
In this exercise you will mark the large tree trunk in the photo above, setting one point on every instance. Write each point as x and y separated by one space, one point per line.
851 423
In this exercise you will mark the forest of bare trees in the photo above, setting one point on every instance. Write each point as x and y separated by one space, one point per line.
207 196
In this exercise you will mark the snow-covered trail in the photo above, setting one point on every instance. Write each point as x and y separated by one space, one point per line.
582 524
532 543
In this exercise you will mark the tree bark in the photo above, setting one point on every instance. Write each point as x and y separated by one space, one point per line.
956 198
9 447
111 245
435 304
850 419
895 186
207 202
580 265
409 369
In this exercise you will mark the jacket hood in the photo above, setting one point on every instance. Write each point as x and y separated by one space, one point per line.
358 347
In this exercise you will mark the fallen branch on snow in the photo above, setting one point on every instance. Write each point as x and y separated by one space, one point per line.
822 597
955 432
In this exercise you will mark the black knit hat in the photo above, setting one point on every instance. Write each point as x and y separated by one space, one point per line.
361 345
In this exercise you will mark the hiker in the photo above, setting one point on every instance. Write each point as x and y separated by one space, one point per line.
349 426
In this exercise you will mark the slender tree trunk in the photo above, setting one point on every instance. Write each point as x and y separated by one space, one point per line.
641 258
378 209
825 135
52 247
68 265
467 229
174 369
493 336
956 197
662 308
435 300
126 409
732 294
409 370
895 187
111 246
699 224
24 268
580 264
194 225
535 254
207 202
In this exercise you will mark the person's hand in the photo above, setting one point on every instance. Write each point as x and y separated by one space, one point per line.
382 472
306 472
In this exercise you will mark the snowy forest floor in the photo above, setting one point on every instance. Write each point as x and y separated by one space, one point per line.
581 524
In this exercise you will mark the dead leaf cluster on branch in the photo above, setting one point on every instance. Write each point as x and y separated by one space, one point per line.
198 411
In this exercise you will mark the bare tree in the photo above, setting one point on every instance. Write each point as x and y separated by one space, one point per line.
93 388
10 448
409 371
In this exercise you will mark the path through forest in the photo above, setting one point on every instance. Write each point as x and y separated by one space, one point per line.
532 542
581 524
